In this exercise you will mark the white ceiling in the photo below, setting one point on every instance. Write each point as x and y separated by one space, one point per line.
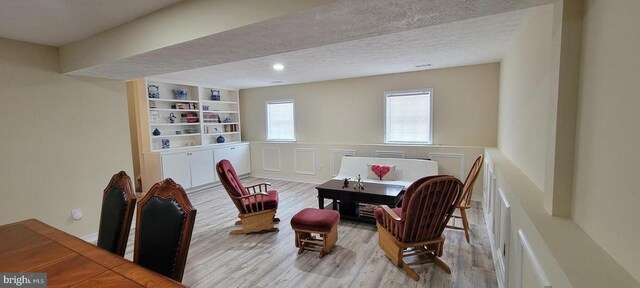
467 42
59 22
346 38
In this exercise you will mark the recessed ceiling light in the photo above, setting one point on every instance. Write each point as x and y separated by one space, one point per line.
278 67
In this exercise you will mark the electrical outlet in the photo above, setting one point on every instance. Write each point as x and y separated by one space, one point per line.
319 167
76 213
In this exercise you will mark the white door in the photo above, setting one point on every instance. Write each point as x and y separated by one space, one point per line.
241 159
176 167
202 168
238 155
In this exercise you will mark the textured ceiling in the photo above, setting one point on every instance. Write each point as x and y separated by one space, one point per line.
343 39
59 22
473 41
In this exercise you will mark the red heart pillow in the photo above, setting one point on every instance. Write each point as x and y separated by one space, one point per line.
380 170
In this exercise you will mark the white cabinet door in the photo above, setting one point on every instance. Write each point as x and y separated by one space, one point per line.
238 155
242 159
202 168
177 167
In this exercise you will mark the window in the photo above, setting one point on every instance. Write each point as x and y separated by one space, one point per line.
280 121
408 116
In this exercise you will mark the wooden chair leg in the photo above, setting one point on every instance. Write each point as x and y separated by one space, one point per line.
329 239
412 273
391 250
442 265
465 223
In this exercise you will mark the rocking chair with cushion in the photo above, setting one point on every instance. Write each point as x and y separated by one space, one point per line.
256 204
417 231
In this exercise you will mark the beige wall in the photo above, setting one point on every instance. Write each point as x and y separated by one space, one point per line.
597 248
524 95
350 111
348 115
62 139
607 193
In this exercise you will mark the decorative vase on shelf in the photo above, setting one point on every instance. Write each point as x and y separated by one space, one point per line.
220 139
154 91
181 94
156 132
215 95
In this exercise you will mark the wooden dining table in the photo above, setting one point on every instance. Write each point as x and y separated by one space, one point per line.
33 246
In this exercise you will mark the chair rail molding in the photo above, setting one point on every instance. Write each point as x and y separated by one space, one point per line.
271 159
297 155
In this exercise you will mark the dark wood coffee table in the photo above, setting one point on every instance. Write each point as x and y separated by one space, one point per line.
348 201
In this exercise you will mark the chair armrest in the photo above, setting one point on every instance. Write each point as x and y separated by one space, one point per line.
391 221
262 187
392 214
257 205
254 195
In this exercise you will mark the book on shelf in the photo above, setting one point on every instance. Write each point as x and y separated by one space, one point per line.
366 210
154 116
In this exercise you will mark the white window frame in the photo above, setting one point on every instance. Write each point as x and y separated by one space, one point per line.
409 92
266 112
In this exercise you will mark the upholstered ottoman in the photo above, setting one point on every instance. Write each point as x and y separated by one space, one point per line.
311 221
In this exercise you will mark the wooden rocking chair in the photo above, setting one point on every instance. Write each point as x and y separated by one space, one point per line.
256 204
417 232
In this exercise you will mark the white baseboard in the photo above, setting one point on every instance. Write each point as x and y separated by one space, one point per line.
203 187
293 179
91 238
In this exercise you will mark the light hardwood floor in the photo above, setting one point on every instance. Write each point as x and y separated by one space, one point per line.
217 259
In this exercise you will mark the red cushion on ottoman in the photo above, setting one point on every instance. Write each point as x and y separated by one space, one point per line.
312 219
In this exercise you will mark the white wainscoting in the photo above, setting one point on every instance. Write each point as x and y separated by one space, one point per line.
304 161
527 265
458 168
502 238
336 158
271 159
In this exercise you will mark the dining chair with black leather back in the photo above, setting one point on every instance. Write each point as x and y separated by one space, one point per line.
118 203
164 224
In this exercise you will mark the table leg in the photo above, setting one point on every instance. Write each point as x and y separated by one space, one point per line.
335 204
320 202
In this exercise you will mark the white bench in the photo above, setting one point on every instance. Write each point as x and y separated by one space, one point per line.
407 170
